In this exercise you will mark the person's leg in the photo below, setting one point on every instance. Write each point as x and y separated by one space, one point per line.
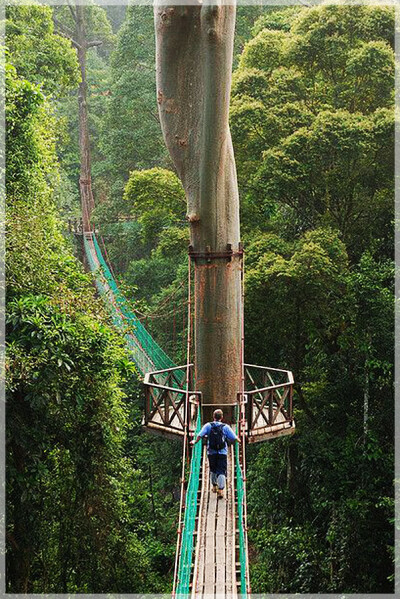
221 479
222 470
212 461
221 473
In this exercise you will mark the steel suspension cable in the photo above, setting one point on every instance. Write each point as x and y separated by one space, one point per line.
185 437
241 466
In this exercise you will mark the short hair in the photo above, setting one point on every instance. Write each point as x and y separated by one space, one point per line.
218 414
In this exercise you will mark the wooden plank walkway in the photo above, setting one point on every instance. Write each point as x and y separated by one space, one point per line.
214 573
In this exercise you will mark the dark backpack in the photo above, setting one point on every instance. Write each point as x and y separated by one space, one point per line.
216 438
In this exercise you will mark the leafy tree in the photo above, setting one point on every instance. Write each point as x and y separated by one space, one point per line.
131 135
80 24
317 493
155 232
155 198
245 19
300 280
78 515
38 52
314 92
315 172
332 172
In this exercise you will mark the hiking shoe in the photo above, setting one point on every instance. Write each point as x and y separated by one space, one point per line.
220 493
214 488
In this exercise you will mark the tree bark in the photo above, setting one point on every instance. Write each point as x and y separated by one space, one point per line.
194 47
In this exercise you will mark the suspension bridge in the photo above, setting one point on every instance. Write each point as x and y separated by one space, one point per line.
212 548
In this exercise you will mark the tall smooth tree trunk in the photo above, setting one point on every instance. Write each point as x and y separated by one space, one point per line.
366 400
79 38
194 48
19 554
85 177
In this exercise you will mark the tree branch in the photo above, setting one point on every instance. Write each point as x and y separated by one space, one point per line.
77 46
64 30
94 43
73 13
302 401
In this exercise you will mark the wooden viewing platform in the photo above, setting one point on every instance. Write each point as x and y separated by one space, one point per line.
269 411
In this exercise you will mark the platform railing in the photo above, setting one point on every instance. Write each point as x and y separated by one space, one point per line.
269 397
187 523
167 394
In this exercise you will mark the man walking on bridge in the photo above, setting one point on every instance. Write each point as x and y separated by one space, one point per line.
217 434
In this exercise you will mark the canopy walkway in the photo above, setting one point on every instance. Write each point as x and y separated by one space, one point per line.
145 352
211 555
215 566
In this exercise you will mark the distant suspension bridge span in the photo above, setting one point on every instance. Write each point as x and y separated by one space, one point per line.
212 552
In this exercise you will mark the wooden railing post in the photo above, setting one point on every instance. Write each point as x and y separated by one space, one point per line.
167 404
249 411
291 402
147 404
166 407
270 407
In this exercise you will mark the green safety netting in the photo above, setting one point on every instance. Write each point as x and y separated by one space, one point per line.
146 341
187 539
146 353
142 361
241 523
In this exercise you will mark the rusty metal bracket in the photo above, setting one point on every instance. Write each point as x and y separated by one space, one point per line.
209 255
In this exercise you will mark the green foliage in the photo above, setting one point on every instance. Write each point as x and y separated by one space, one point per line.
312 121
332 324
67 422
97 25
93 499
306 172
156 240
155 198
37 52
277 20
131 134
245 18
300 281
79 515
31 164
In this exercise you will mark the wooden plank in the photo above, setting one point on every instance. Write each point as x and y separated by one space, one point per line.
209 561
220 546
215 568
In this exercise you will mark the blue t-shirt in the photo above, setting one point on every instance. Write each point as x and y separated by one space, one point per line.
228 433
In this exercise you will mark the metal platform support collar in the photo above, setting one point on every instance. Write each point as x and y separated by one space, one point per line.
208 255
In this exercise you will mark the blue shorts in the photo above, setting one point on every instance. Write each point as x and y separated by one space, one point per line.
218 463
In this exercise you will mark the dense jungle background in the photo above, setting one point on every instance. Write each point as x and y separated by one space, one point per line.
92 500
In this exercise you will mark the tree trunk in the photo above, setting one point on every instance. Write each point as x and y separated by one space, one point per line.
85 178
19 552
194 47
366 400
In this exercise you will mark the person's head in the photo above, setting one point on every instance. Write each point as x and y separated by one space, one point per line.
218 414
